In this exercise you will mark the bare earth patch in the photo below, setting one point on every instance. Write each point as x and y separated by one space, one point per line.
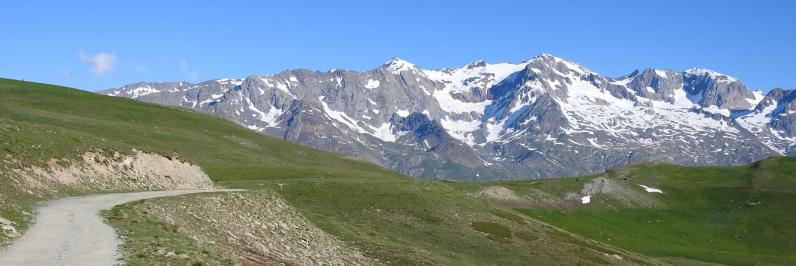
254 228
7 227
100 172
503 196
534 198
618 191
91 172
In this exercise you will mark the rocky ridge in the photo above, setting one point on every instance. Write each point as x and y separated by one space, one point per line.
543 117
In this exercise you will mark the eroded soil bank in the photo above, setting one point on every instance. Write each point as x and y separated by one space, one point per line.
90 172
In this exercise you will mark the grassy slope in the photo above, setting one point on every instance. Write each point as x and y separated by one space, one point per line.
735 215
149 239
40 121
388 216
65 120
404 220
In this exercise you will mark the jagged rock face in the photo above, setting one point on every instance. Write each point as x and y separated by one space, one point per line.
544 117
773 120
784 116
719 90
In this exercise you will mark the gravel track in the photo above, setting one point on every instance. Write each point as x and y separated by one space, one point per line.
69 231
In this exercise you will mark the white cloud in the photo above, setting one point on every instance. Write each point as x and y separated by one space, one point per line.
100 63
192 73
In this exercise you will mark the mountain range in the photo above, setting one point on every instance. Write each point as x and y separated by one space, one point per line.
543 117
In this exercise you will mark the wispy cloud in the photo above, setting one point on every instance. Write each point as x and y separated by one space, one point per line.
100 63
189 70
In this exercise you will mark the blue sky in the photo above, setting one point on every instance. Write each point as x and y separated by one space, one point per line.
101 44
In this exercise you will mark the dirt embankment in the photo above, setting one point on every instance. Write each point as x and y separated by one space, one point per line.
92 172
100 172
254 228
7 227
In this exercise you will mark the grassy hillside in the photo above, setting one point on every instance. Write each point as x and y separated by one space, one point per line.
390 217
732 215
42 121
39 122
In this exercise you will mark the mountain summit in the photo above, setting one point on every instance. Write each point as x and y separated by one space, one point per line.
543 117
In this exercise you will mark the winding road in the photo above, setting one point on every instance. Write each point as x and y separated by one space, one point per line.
69 231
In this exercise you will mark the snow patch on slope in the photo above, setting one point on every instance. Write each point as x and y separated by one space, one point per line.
461 129
397 65
712 74
383 132
372 84
402 113
651 189
716 110
234 82
758 97
461 80
458 80
757 121
585 199
452 105
661 73
587 108
280 86
141 91
269 117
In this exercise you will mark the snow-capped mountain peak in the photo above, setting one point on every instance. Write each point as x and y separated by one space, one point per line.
543 117
561 64
398 65
476 64
710 73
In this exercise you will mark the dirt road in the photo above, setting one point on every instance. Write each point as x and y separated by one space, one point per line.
70 231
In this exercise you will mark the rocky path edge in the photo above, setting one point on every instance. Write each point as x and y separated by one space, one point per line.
70 231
